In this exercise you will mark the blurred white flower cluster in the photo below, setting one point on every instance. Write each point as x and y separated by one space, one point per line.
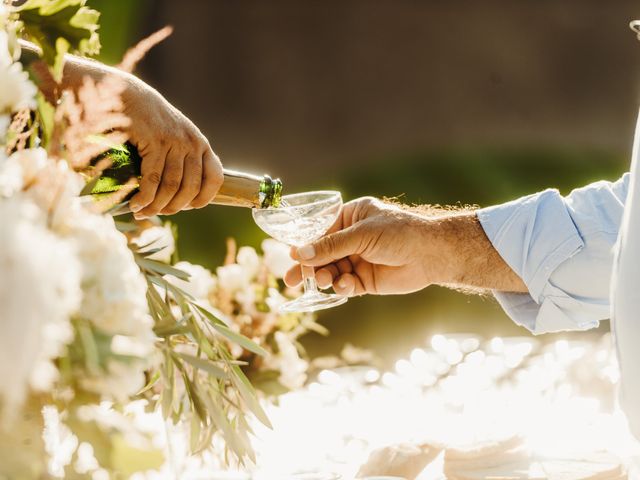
246 293
61 264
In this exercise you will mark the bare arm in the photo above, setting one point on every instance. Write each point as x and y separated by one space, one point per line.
377 248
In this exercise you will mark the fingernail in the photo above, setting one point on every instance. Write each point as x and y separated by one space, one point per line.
342 283
135 208
307 252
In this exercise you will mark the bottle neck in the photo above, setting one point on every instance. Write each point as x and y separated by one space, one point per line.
241 189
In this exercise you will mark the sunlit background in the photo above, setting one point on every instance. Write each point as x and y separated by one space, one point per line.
459 102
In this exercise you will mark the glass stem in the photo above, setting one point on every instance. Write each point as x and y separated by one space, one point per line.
309 276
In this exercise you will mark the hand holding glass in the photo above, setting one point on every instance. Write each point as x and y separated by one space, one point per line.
303 218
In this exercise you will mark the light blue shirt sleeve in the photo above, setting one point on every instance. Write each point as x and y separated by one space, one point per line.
562 248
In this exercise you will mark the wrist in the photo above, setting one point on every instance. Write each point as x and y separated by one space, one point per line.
447 244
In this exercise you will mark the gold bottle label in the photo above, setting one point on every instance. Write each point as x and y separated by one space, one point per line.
241 189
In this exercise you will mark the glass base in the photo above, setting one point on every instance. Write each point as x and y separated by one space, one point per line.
311 302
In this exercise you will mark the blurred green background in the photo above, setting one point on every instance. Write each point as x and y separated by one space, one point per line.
463 103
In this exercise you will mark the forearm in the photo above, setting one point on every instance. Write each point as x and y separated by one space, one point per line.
465 256
75 70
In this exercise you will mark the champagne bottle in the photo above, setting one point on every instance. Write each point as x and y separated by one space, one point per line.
238 188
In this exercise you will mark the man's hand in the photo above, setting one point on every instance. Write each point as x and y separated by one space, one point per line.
179 169
378 248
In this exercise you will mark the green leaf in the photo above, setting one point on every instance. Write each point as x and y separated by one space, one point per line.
61 26
204 365
169 383
194 434
247 393
194 397
89 347
126 227
167 331
125 165
160 268
219 417
230 335
154 379
45 118
267 381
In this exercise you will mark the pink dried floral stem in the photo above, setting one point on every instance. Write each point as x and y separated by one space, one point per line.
137 53
18 134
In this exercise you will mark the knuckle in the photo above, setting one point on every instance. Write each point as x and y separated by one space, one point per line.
192 136
196 175
217 178
370 201
328 244
171 184
153 178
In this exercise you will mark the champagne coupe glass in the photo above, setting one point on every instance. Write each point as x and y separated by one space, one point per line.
301 219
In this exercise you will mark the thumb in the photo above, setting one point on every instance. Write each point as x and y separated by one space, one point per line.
330 248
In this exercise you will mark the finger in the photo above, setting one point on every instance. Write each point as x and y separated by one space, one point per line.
325 275
345 285
212 178
344 266
332 247
190 186
293 277
151 171
171 181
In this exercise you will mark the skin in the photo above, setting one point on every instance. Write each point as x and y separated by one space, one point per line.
380 248
180 171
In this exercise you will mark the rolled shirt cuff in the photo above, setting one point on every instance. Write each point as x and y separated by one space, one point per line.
534 235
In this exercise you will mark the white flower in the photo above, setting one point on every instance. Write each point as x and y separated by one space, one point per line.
233 277
114 289
22 168
246 298
276 257
39 291
248 259
130 346
274 299
157 237
11 179
16 90
292 368
201 281
5 56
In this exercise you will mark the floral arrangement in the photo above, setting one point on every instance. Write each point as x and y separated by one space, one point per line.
94 311
245 293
